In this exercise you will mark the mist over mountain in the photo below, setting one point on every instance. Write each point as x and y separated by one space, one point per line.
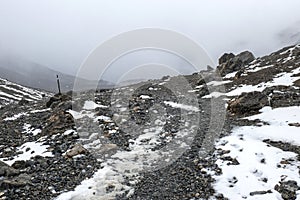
291 34
28 73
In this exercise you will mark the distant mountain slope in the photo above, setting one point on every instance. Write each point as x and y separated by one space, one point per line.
11 92
35 75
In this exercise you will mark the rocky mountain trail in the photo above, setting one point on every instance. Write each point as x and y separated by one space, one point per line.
199 136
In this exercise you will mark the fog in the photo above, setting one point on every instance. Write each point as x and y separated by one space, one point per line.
61 34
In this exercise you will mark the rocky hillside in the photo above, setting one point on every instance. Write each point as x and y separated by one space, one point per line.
14 93
199 136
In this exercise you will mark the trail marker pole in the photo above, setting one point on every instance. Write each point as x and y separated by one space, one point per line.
58 84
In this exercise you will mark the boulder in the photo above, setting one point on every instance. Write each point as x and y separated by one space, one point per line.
15 182
76 150
248 103
6 170
229 64
19 164
226 57
287 189
57 99
246 57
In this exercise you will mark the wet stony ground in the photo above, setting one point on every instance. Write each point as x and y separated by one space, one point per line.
40 177
75 156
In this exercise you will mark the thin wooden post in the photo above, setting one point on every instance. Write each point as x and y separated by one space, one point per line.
58 84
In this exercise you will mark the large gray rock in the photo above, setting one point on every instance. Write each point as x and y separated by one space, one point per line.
229 63
55 100
246 57
76 150
248 103
287 189
226 57
6 170
15 182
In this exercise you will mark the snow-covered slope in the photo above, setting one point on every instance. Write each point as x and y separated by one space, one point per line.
11 92
258 165
259 159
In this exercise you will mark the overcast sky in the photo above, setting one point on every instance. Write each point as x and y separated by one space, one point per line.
61 33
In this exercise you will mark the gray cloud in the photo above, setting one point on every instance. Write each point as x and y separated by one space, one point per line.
60 34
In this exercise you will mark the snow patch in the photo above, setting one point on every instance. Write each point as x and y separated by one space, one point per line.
90 105
261 166
145 97
284 79
17 116
214 95
182 106
217 83
29 149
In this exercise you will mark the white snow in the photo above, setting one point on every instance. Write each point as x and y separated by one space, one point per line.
182 106
102 117
290 50
278 116
217 83
36 132
16 116
17 92
81 114
192 91
214 95
258 68
284 79
22 92
230 75
259 161
68 132
145 97
246 88
35 148
42 110
10 96
199 86
107 176
90 105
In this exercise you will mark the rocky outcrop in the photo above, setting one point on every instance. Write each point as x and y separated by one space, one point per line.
15 182
229 62
247 103
55 100
225 58
288 189
11 177
6 170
